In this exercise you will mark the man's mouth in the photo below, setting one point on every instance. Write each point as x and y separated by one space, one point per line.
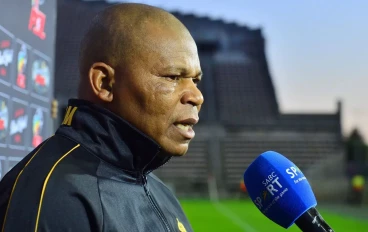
184 127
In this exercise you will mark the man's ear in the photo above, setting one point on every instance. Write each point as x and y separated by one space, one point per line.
102 79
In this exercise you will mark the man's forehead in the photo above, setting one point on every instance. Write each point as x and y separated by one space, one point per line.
171 53
180 56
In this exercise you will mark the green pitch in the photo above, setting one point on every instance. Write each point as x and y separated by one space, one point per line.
237 215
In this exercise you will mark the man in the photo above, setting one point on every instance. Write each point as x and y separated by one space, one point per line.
138 101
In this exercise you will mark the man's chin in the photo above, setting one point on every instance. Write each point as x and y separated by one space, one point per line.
179 154
179 150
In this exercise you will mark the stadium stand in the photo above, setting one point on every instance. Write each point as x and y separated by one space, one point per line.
240 118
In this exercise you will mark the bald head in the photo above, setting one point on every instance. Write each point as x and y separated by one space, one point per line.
118 33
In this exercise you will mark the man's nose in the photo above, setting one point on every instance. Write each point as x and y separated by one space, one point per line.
192 95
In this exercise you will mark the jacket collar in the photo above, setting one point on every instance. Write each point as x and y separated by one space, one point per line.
110 137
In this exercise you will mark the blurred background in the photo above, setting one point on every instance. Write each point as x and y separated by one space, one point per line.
288 76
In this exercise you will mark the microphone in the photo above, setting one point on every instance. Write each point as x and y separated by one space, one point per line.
282 193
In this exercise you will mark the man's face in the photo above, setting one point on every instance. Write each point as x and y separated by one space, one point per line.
157 91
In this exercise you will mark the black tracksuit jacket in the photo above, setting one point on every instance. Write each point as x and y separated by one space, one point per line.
94 174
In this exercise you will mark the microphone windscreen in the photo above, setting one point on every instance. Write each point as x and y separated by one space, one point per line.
278 188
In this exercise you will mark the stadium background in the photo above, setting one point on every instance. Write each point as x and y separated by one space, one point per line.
240 120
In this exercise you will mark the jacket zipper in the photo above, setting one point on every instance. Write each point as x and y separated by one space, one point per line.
155 206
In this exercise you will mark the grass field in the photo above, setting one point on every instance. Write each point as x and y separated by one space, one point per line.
232 216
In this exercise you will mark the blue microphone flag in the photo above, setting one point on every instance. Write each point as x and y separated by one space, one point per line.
278 188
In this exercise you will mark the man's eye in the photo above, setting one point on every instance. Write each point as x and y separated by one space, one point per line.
173 78
196 81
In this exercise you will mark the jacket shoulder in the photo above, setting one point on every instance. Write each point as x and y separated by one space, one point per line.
72 189
61 188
